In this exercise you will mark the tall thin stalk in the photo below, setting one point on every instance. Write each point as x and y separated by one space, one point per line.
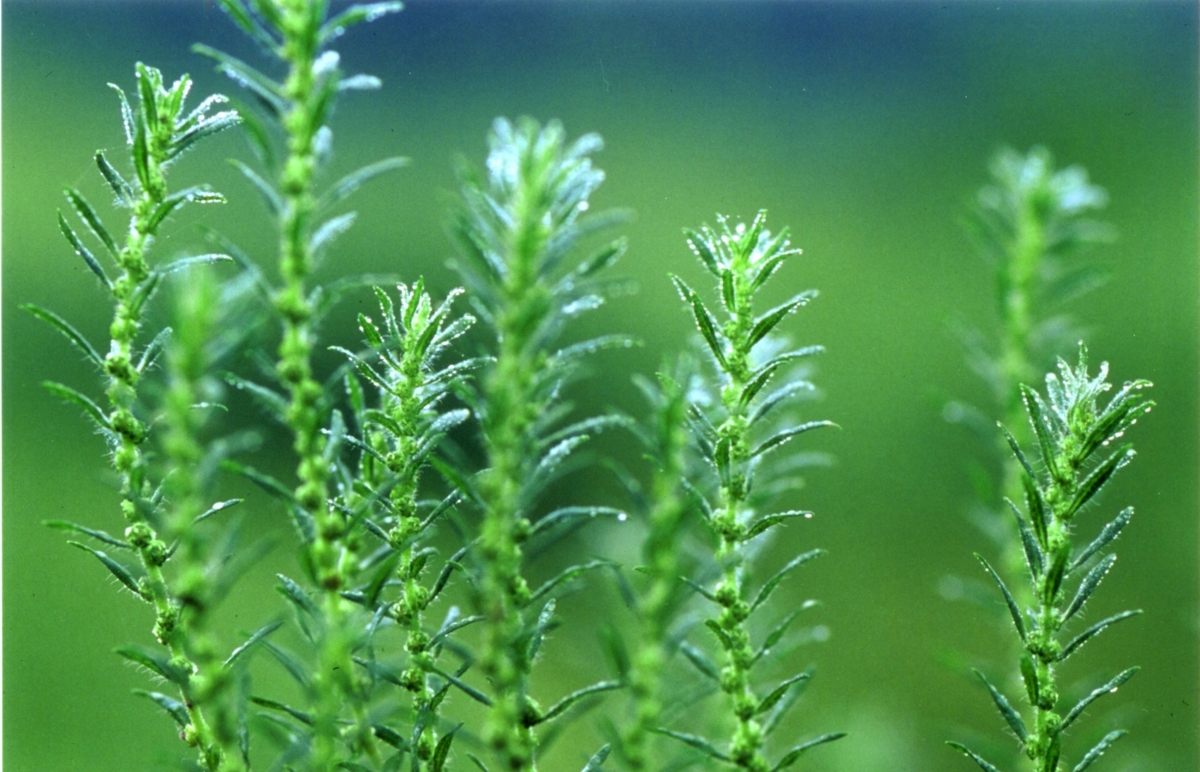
1075 461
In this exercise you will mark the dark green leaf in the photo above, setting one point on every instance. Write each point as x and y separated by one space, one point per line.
567 575
768 321
792 756
262 632
89 216
1037 511
1098 750
289 663
700 661
70 395
187 262
299 715
268 91
63 525
1110 532
438 761
467 689
722 636
272 400
121 572
1096 694
1094 630
701 247
82 250
220 506
770 521
787 434
1041 427
776 634
569 515
776 694
1029 677
120 188
562 705
342 189
699 743
68 331
984 765
774 581
1033 552
1013 610
704 320
265 189
197 194
1092 484
242 17
174 707
1006 709
1088 586
355 14
296 594
597 760
156 663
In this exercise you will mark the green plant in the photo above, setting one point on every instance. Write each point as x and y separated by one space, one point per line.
742 429
1032 225
1074 435
160 509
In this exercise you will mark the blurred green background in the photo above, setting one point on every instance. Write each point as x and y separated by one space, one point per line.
864 126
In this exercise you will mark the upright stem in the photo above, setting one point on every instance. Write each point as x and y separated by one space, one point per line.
331 560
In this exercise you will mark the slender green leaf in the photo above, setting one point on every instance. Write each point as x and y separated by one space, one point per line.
1098 749
299 715
776 694
467 689
700 661
792 756
562 705
1006 709
71 395
786 435
701 247
1096 694
289 663
1041 427
699 743
768 321
158 664
1109 532
82 250
1013 610
265 189
68 331
63 525
344 187
260 634
567 575
120 188
1100 476
355 14
184 263
121 572
93 221
442 751
296 594
1093 631
770 521
984 765
174 708
704 320
597 760
268 91
1089 584
1033 551
722 636
774 581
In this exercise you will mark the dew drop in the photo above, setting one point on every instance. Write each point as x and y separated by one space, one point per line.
622 517
583 206
808 515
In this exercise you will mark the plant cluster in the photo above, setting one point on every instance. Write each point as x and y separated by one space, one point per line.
441 431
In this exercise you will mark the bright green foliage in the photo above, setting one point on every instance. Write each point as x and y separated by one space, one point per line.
665 506
399 438
1033 225
297 34
158 129
517 232
743 431
1077 453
